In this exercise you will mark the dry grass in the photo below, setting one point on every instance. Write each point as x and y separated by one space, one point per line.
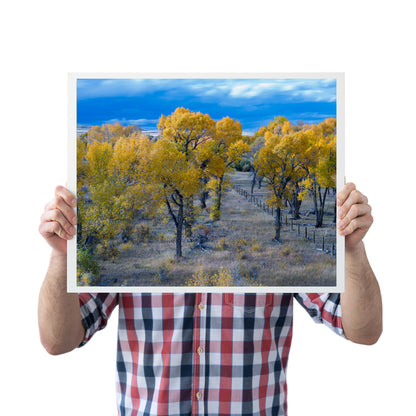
241 242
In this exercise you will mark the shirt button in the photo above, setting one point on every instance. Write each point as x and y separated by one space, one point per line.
199 395
201 306
199 350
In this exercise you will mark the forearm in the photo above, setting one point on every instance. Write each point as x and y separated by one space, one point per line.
59 314
361 302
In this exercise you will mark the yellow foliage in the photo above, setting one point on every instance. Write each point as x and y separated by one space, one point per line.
222 244
201 278
126 246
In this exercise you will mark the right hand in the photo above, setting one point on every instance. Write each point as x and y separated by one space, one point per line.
57 223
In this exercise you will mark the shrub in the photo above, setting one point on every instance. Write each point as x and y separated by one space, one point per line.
126 246
255 246
163 272
162 237
222 278
142 232
86 262
86 279
244 165
107 251
201 278
222 244
286 251
240 243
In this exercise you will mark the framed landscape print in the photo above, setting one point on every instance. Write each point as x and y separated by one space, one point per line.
206 182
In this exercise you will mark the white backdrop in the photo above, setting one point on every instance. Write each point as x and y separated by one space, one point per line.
370 41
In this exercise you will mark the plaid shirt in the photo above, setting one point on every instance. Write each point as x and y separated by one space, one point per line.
204 353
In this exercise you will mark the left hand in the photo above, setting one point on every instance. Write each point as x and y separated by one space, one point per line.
354 215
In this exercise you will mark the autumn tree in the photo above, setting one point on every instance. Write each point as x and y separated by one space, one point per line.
279 161
187 130
115 187
174 181
227 149
110 132
322 166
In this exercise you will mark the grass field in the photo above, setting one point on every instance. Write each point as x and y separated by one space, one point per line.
240 245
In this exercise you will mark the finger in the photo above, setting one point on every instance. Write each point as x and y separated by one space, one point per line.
357 210
343 194
354 197
66 195
60 204
57 216
66 210
51 228
360 223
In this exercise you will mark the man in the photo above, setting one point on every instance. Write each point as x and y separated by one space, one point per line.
201 353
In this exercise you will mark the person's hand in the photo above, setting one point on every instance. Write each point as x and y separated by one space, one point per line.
57 223
354 215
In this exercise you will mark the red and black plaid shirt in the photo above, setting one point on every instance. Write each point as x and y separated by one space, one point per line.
204 353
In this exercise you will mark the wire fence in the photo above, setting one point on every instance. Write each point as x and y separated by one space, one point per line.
319 237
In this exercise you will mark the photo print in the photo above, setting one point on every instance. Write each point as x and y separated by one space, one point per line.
214 182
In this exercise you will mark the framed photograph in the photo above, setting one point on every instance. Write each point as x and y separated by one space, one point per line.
206 182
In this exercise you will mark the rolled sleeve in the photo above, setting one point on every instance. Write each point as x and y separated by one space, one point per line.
324 308
96 309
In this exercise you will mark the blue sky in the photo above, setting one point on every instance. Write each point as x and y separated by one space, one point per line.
253 102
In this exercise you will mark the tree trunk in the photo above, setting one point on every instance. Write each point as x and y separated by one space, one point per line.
295 206
277 224
203 196
321 210
216 207
189 216
203 199
260 180
179 225
253 182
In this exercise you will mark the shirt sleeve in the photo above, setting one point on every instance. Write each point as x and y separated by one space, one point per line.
96 308
324 308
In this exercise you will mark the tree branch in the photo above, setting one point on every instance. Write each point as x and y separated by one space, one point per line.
171 212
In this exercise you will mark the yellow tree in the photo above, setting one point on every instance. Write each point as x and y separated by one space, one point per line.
228 149
110 132
321 167
117 187
187 130
100 214
174 180
279 161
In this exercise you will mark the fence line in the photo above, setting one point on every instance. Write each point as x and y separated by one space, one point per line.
321 243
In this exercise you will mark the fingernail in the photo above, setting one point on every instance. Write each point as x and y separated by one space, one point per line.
73 201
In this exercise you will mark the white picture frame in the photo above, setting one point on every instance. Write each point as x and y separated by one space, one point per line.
338 78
